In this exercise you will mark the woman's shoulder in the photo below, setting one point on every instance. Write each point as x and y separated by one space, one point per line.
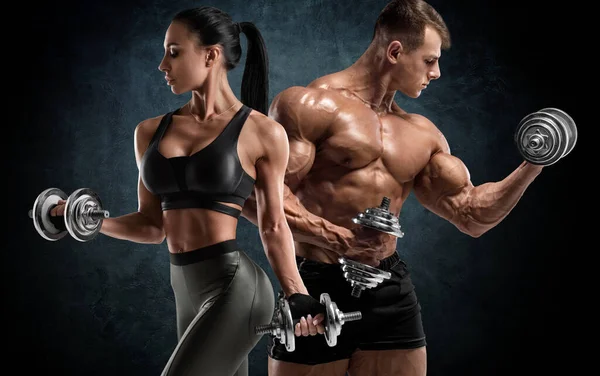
146 128
144 131
266 128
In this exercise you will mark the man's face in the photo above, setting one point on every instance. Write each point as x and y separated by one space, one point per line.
416 69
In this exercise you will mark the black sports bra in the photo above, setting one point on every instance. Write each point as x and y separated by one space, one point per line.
202 179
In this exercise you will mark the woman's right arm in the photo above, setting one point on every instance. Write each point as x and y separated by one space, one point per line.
145 225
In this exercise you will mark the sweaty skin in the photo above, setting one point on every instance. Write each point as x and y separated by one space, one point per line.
347 153
351 145
352 157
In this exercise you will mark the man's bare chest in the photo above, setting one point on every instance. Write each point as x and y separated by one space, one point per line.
400 148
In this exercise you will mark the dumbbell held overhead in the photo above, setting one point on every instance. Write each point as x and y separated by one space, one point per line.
83 214
546 136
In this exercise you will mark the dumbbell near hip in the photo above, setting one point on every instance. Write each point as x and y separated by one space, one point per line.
282 325
82 218
546 136
362 276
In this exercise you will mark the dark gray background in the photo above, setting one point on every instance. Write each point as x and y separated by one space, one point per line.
87 75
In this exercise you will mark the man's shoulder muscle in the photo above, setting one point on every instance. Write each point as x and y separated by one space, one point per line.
426 125
304 111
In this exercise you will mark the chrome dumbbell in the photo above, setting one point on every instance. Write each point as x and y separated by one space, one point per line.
282 325
82 218
546 136
362 276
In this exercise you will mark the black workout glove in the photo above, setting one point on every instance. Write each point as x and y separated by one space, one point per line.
303 305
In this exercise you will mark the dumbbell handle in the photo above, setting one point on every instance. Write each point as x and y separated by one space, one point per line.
97 214
350 316
268 328
357 291
536 142
93 214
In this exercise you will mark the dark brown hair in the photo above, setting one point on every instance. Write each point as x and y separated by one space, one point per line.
405 20
213 26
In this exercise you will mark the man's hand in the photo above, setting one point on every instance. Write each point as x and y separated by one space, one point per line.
366 245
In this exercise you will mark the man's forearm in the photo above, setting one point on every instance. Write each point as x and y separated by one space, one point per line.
490 203
305 226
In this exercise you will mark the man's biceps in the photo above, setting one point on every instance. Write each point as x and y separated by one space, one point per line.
300 147
432 201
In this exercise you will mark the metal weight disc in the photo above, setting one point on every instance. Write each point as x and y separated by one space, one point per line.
41 213
365 268
540 138
380 220
361 274
331 324
359 277
568 123
287 335
363 278
79 225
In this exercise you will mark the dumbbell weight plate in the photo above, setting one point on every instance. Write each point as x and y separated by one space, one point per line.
281 325
41 213
366 269
362 276
332 324
379 220
568 124
79 225
287 335
548 130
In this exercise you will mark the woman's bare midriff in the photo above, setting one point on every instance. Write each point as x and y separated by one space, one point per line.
190 229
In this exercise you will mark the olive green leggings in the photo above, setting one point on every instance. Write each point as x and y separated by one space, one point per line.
220 296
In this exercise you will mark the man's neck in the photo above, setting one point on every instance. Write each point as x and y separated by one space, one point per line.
368 79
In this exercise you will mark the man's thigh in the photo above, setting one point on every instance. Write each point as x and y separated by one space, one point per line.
281 368
411 362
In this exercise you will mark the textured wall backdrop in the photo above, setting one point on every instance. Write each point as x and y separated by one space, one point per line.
89 76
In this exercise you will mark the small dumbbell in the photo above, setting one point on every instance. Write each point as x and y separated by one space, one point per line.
82 218
546 136
362 276
282 325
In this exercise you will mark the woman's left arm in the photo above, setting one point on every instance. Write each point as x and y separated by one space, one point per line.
274 231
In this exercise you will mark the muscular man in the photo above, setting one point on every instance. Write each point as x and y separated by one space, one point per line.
351 145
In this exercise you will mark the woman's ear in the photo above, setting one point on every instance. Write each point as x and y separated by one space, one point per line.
213 54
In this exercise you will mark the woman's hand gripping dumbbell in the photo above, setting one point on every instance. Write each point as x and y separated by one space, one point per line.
285 324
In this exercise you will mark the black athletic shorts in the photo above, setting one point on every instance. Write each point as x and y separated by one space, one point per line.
391 314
